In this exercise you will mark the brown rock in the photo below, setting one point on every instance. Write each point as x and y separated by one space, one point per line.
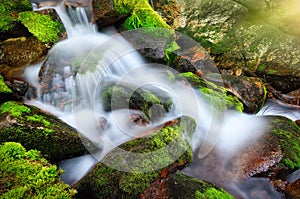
293 190
21 51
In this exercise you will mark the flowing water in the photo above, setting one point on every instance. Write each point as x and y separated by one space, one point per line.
71 80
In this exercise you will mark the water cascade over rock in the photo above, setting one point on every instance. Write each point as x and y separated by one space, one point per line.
88 67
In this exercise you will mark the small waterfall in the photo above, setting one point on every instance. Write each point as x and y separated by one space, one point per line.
72 77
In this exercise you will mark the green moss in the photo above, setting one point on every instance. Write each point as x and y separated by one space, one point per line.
261 68
27 175
217 96
271 72
142 14
3 87
212 193
14 109
288 134
135 183
41 26
9 12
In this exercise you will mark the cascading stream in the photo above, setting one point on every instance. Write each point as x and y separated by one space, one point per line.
72 79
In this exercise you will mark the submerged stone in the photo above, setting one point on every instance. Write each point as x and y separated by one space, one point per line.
35 129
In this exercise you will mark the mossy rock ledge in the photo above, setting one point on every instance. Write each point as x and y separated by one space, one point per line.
25 174
35 129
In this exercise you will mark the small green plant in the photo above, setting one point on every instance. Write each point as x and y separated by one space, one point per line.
41 26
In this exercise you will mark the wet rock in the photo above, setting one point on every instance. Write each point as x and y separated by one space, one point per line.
21 51
35 129
128 170
250 91
18 86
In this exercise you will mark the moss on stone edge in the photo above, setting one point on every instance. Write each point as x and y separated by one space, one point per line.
217 96
37 130
107 182
288 134
142 14
117 97
3 87
181 186
27 175
41 26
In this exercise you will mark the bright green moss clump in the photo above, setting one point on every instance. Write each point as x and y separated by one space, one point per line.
3 87
27 175
9 12
212 193
217 96
142 14
41 26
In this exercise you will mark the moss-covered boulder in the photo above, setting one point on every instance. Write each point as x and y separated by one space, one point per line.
136 13
128 170
25 174
35 129
247 36
43 27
